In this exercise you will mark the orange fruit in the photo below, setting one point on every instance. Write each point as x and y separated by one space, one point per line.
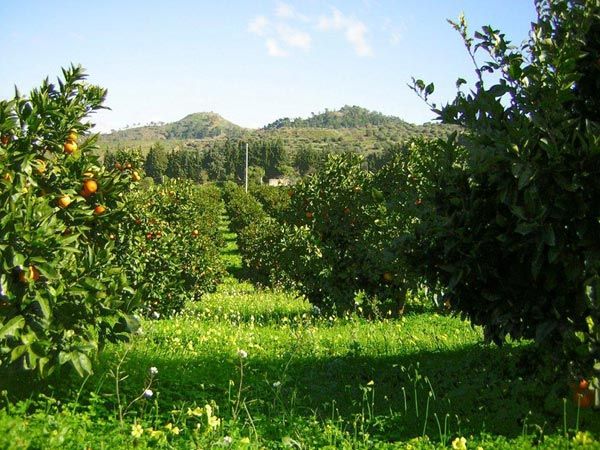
583 384
89 187
135 176
309 215
195 233
99 209
346 210
388 277
118 166
64 201
72 136
31 274
5 139
70 147
583 397
128 165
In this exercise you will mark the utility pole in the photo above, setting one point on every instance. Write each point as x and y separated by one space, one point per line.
246 167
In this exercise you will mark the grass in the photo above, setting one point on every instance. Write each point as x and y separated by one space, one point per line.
275 374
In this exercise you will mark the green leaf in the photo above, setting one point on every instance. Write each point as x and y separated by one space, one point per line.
44 306
12 326
17 352
460 82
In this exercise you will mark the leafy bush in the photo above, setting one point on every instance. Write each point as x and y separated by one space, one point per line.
170 244
514 240
275 200
332 241
259 245
242 208
62 295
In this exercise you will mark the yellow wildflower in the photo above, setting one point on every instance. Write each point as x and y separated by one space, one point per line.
583 438
459 444
137 430
214 422
197 412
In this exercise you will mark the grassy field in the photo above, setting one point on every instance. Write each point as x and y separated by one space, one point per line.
246 368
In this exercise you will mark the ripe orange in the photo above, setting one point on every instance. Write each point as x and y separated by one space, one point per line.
70 147
89 187
31 274
583 397
99 209
135 176
72 136
64 201
195 233
387 277
118 166
128 165
5 139
309 215
583 384
418 202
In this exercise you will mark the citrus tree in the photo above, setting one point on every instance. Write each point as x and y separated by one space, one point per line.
169 243
61 294
514 240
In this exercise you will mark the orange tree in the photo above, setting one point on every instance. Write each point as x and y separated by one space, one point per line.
338 226
169 244
61 294
332 242
514 239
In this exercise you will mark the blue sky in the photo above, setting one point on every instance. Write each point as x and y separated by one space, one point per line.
251 62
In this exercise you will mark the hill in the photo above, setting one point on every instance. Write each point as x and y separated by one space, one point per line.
351 128
345 117
193 126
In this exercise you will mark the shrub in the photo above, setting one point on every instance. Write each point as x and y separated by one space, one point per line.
170 244
62 296
275 200
335 239
242 208
515 239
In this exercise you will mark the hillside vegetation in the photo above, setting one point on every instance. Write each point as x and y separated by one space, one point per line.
193 126
207 139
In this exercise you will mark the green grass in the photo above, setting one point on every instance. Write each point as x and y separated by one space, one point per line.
308 381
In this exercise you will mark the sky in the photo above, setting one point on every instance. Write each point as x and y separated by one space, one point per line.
250 61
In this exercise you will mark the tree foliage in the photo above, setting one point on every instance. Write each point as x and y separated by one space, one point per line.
514 238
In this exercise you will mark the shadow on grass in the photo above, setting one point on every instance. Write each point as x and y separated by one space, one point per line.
478 388
236 272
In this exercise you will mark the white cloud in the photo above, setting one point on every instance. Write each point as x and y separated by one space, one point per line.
354 30
274 49
257 25
285 11
294 37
